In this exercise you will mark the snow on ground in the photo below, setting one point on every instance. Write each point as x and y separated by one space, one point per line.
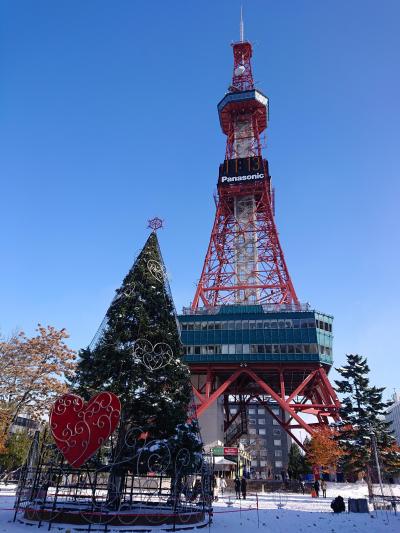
278 513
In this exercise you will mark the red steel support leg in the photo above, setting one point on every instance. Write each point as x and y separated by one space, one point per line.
322 398
282 382
199 396
285 406
221 389
209 380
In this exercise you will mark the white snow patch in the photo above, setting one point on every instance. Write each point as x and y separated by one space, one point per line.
300 514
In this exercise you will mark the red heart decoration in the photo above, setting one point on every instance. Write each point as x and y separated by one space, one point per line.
79 428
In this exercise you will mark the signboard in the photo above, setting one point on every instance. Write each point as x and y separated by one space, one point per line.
230 451
247 169
218 451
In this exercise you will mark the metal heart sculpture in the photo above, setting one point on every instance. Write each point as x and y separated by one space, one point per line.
79 428
152 357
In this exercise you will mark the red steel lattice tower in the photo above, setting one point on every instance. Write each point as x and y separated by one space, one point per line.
244 261
246 335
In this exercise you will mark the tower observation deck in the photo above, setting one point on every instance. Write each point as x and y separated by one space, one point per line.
246 336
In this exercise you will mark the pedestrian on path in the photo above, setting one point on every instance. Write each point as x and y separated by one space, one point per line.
243 487
316 488
222 485
237 487
323 488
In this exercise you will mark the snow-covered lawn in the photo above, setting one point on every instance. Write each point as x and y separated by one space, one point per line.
277 513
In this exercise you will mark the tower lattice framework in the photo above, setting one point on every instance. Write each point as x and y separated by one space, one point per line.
244 261
247 337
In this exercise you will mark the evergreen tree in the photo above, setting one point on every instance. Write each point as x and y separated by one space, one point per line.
137 356
363 413
297 464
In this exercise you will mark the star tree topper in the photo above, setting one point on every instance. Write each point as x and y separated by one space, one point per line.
156 223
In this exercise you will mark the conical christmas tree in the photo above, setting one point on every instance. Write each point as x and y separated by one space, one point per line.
137 356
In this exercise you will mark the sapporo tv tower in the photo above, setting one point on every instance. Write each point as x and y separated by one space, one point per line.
247 338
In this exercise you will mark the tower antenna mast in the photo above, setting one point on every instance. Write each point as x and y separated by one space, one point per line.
241 25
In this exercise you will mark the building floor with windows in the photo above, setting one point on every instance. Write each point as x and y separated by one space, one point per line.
267 443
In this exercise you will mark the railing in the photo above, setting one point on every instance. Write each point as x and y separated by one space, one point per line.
250 308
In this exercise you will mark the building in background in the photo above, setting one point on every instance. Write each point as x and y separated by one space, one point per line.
23 424
267 443
393 416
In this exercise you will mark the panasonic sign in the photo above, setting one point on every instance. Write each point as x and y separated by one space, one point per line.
248 177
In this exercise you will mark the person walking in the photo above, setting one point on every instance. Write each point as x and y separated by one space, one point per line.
316 488
323 487
222 485
216 487
237 487
243 487
302 486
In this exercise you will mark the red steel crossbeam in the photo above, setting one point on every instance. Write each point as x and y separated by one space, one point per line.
317 397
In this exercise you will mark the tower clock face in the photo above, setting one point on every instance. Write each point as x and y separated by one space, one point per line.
240 166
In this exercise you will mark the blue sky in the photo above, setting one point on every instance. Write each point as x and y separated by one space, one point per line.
108 118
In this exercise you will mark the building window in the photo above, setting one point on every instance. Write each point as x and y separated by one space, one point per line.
276 432
197 350
252 420
246 348
263 463
278 453
277 442
231 349
261 421
252 411
278 464
276 411
233 410
261 411
253 463
252 431
261 431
